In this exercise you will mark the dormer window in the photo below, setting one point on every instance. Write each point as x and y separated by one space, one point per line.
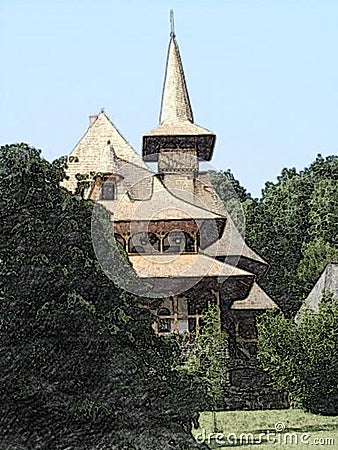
108 191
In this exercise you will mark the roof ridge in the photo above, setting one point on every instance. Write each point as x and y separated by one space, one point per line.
118 131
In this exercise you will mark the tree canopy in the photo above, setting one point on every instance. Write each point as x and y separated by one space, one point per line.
80 366
293 226
302 358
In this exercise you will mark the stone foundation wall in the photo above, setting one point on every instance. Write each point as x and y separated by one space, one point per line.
249 388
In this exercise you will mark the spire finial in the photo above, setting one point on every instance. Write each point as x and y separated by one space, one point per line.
172 24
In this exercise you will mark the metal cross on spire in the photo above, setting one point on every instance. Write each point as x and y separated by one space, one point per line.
172 24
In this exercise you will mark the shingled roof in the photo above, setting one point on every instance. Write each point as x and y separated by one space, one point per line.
231 244
194 265
162 205
101 145
176 117
327 283
257 299
175 104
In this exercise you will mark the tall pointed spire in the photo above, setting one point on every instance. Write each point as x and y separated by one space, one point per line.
176 129
175 103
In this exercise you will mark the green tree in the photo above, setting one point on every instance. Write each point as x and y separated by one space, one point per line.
207 359
321 246
213 357
223 180
80 365
293 226
279 234
233 195
302 358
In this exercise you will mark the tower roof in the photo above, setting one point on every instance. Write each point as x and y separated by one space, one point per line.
176 122
175 103
176 116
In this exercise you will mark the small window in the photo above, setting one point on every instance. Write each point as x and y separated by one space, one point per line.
108 191
173 242
164 325
192 325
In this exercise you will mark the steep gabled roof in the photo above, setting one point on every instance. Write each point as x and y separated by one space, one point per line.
107 160
95 150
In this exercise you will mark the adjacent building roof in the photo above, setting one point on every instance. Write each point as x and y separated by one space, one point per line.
327 282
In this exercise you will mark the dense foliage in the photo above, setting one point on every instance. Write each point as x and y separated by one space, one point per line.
293 226
80 365
213 357
206 358
302 357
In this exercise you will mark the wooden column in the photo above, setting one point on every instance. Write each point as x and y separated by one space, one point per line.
175 312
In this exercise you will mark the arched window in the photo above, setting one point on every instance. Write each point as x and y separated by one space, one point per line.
144 243
164 325
177 241
120 240
108 190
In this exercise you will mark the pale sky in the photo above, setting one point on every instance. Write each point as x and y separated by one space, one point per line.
262 75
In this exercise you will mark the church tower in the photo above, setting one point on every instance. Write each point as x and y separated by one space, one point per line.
177 143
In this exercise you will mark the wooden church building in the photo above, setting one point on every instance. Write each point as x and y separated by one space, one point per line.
177 233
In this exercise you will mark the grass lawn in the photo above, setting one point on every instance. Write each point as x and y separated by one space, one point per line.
258 429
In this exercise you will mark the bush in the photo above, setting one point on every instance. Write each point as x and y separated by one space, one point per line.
302 358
